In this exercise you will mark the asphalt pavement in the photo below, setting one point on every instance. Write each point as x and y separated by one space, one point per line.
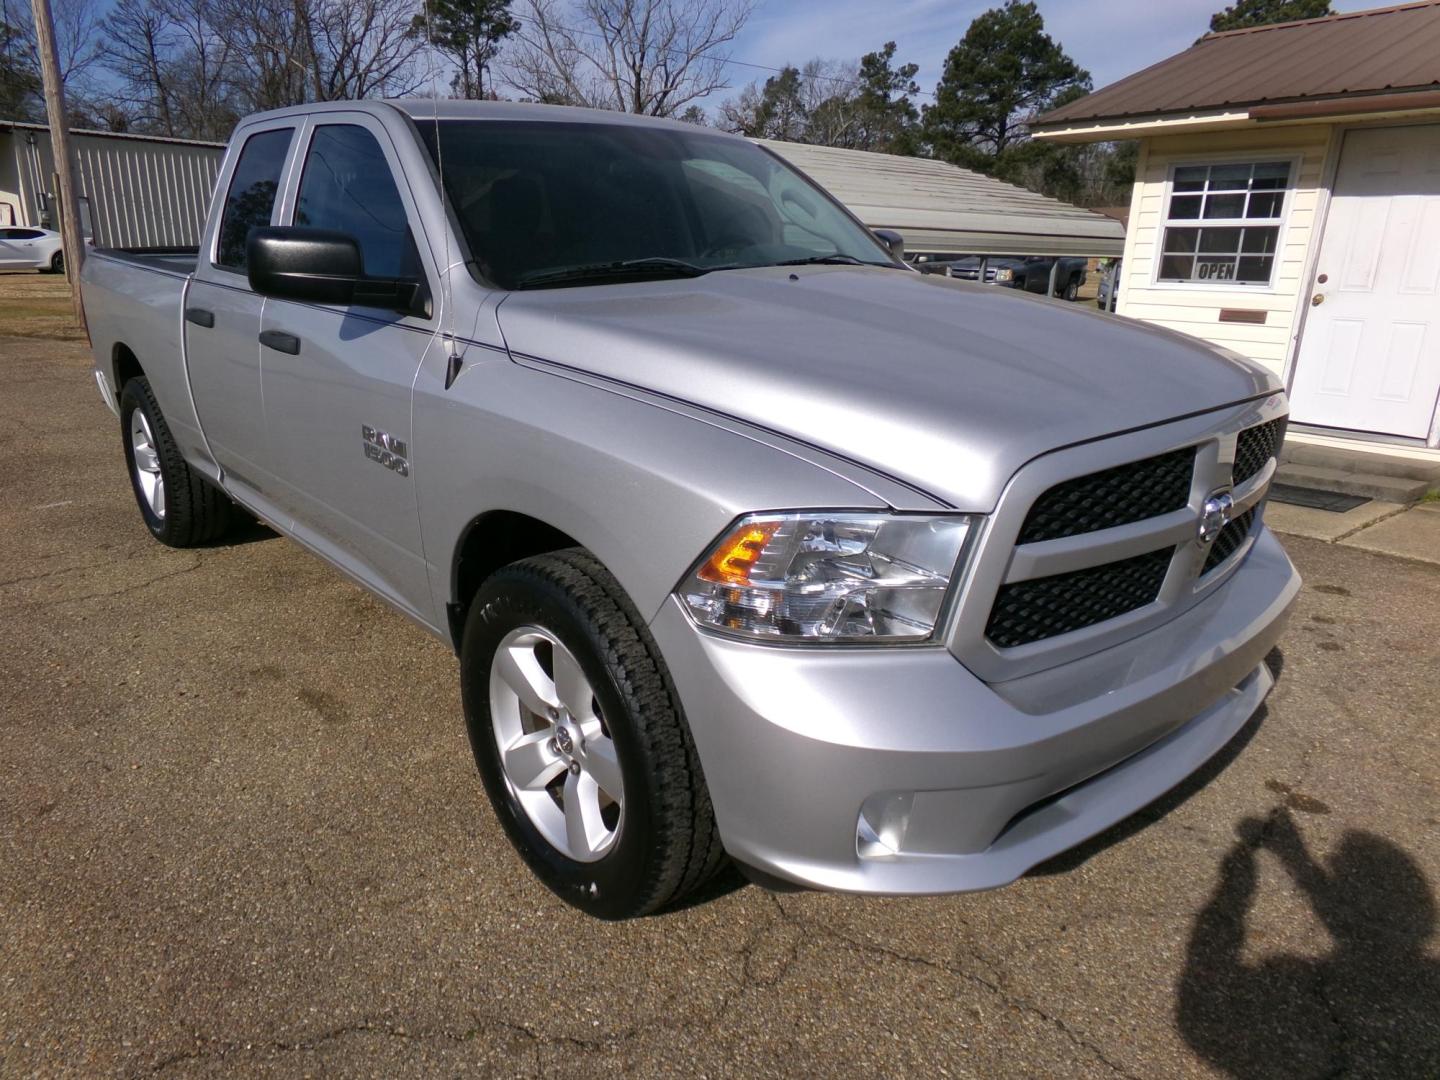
241 834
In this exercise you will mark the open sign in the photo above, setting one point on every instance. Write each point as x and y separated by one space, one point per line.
1215 271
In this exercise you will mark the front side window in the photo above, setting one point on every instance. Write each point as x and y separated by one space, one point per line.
348 186
252 194
1223 223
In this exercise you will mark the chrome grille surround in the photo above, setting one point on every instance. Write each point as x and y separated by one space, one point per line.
998 560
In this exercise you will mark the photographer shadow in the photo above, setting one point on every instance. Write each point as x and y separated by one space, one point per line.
1370 1007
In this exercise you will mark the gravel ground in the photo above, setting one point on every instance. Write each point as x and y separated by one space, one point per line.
240 833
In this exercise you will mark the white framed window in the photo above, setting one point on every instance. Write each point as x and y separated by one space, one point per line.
1222 223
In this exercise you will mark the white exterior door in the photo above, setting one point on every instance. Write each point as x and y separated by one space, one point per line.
1369 356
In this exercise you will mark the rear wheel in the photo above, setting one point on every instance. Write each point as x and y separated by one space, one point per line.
579 737
179 506
57 263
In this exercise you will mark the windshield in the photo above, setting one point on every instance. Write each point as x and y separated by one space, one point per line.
547 204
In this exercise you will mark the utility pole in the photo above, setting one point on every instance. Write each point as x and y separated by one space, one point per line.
60 150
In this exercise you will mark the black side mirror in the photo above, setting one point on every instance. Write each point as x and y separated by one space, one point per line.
894 242
323 266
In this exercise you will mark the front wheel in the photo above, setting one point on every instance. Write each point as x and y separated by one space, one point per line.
180 507
1072 291
579 737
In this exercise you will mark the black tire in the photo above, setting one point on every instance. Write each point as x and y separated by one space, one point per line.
196 512
1072 290
57 263
668 844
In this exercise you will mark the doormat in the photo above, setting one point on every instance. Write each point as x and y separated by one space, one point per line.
1315 498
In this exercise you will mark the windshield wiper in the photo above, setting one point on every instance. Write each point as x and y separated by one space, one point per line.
609 271
836 259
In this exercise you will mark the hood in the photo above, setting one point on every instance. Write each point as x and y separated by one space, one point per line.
947 386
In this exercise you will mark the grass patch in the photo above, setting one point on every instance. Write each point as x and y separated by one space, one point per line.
37 306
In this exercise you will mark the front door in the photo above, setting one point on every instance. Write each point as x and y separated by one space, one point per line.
337 380
10 247
1369 356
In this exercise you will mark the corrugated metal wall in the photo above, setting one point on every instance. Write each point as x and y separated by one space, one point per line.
141 192
146 194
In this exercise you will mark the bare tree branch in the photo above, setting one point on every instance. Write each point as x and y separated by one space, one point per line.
641 56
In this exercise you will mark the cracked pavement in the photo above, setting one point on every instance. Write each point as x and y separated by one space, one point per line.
241 833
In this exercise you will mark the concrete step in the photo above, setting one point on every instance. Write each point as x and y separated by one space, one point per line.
1330 457
1395 489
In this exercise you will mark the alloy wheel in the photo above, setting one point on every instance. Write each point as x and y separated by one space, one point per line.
148 477
555 748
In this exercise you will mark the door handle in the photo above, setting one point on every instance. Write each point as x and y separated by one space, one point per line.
280 341
200 317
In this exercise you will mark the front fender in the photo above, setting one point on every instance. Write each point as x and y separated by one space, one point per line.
644 488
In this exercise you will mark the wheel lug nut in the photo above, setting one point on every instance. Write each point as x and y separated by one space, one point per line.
553 714
553 746
575 768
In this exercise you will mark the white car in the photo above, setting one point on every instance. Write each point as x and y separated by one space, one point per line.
25 248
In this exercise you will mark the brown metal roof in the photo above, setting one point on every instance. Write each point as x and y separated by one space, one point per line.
1362 52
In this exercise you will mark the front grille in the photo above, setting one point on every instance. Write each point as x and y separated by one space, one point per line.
1027 611
1229 540
1119 496
1256 446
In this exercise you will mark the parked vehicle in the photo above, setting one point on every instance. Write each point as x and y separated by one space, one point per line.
25 248
1108 295
935 262
1028 272
751 541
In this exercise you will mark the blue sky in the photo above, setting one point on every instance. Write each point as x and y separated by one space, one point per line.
1110 38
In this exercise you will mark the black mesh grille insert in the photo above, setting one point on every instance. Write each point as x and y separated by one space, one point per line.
1118 496
1027 611
1255 447
1229 540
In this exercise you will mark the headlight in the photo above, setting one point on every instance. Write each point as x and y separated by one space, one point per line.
1004 275
828 577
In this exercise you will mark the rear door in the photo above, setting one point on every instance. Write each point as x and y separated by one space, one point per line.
337 380
222 315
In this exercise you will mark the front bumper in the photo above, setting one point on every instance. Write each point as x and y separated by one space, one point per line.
897 771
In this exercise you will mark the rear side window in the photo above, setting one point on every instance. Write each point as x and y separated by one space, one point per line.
348 186
252 193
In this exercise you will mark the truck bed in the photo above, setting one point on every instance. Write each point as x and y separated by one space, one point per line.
170 260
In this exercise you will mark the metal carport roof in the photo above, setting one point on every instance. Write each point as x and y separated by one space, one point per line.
939 207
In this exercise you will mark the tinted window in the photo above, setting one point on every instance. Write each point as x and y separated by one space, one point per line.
347 185
252 193
21 234
538 199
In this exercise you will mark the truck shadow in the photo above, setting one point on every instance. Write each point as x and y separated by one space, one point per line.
246 530
1368 1007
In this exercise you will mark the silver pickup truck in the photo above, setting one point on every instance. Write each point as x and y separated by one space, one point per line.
752 542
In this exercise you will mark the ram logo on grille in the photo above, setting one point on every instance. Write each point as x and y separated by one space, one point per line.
1219 508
